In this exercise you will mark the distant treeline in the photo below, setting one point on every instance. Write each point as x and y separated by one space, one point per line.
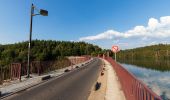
154 52
45 50
154 57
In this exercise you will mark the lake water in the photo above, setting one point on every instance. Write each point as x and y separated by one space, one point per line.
158 81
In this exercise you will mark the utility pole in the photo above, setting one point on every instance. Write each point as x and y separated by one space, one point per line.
43 13
30 38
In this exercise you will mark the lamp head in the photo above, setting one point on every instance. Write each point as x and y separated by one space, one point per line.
43 12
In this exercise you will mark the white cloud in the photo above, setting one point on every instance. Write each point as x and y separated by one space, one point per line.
155 29
153 23
106 35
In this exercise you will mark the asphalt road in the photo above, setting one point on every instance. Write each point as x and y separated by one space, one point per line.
74 85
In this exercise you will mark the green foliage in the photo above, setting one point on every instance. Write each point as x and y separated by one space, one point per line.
154 52
44 50
154 57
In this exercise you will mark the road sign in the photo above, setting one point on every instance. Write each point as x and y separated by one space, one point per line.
115 49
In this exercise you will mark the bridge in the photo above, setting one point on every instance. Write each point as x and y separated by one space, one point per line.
76 84
133 88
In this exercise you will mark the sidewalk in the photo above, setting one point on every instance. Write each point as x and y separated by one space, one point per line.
113 91
110 87
16 86
100 94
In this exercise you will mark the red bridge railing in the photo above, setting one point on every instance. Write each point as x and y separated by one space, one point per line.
133 88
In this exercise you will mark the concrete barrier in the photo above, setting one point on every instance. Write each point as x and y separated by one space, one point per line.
46 77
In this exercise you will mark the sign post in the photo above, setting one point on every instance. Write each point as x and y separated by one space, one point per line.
115 56
115 49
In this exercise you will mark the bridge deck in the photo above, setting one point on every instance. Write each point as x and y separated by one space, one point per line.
133 88
113 91
110 86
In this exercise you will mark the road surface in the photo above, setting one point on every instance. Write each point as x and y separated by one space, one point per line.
74 85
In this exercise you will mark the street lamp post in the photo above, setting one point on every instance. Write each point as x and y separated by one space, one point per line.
43 13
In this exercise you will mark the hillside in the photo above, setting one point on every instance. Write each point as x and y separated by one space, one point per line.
44 50
154 52
154 57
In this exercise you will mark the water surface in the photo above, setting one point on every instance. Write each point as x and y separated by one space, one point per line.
158 81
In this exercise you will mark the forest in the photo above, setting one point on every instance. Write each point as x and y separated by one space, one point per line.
154 52
154 56
44 50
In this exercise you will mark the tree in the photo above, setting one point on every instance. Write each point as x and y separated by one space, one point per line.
44 50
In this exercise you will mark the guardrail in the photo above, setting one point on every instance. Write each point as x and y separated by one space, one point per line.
133 88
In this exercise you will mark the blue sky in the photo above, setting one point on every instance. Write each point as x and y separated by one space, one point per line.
101 22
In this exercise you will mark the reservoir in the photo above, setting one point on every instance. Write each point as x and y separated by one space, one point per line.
157 80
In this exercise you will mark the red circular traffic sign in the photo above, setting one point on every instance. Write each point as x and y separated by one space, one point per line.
115 49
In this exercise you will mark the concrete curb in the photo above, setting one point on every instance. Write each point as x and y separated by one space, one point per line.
18 90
